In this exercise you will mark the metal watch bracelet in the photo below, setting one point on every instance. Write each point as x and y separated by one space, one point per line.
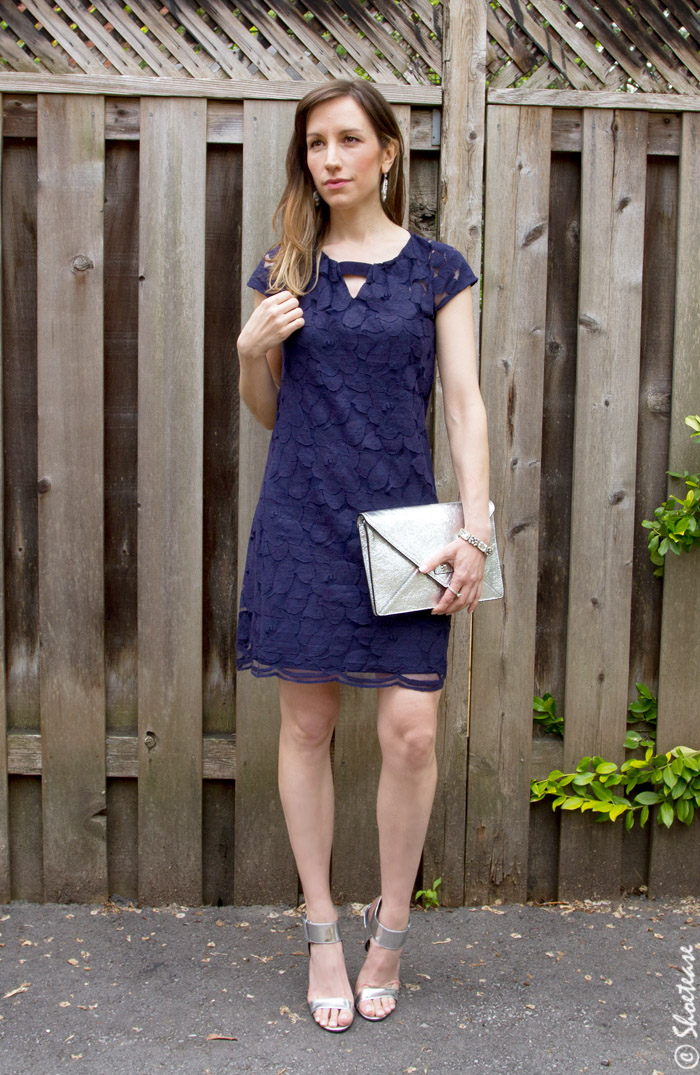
472 540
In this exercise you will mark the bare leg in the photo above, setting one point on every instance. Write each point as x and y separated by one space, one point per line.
406 722
309 712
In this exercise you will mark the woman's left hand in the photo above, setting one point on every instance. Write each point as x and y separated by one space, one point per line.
468 565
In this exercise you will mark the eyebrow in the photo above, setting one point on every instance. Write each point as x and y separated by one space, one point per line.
348 130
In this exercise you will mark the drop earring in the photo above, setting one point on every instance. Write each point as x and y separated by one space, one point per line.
317 199
385 186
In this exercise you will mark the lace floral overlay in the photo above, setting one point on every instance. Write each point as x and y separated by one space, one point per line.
349 436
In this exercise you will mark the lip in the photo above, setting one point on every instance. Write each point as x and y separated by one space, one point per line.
334 183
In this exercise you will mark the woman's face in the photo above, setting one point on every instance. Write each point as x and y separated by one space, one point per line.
344 155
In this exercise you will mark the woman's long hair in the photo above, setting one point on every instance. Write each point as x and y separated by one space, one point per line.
304 225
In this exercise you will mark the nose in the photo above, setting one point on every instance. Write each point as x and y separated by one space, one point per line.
332 161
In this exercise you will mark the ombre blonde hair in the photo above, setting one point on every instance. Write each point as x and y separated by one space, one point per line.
303 225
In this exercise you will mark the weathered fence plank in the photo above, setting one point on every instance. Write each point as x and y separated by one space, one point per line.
675 854
121 296
20 506
170 394
121 238
503 654
264 867
460 208
4 802
220 538
70 471
555 500
655 374
613 177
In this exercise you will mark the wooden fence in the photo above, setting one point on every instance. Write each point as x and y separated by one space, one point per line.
133 760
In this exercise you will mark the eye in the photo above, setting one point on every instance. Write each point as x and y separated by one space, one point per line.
315 142
351 138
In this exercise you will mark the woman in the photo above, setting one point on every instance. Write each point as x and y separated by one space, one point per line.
338 360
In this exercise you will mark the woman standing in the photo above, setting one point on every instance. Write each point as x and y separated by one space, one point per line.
338 360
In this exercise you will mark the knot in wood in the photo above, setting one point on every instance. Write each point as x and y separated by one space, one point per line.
43 485
150 740
81 263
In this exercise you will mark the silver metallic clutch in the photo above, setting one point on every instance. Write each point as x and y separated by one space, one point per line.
396 540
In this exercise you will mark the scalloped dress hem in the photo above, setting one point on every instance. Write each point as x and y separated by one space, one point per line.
432 681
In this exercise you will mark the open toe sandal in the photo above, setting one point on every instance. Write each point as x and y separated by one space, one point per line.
394 939
326 933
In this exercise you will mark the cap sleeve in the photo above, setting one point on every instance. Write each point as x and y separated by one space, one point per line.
260 277
451 273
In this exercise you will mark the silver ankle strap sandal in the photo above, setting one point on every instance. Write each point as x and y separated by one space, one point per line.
325 933
393 939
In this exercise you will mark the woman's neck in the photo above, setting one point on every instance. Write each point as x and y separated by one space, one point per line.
370 233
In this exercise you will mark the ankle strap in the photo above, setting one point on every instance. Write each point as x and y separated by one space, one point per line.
320 932
384 937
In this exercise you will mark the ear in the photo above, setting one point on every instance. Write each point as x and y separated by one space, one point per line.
389 155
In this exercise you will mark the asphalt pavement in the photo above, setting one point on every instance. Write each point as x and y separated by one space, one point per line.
512 989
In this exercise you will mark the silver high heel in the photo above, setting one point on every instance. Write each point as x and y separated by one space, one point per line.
325 933
394 939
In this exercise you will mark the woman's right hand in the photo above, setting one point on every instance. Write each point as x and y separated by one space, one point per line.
273 320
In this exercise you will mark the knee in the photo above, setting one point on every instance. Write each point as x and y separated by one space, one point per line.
410 746
309 726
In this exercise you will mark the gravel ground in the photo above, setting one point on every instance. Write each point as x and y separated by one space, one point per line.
512 988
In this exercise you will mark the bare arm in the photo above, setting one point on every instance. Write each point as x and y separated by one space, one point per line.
260 352
465 419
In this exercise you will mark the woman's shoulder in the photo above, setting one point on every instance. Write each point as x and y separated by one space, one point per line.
447 267
436 251
259 279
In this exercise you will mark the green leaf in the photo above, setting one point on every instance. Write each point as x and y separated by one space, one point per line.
644 816
572 802
629 820
670 777
647 798
666 814
606 767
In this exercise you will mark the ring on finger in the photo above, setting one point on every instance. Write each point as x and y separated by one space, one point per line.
454 591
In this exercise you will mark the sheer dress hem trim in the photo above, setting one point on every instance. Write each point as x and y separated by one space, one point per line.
433 681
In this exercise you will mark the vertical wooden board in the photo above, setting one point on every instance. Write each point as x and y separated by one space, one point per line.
403 118
121 231
555 497
658 302
26 853
264 870
172 185
613 179
220 537
217 841
70 144
4 802
19 421
558 426
122 838
460 209
655 376
503 655
221 327
356 767
675 854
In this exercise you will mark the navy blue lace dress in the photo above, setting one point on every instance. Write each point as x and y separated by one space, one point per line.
349 436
